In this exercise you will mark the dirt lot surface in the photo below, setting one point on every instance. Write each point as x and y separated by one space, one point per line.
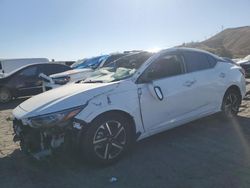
205 153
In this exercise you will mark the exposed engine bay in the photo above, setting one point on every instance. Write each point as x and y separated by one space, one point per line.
42 142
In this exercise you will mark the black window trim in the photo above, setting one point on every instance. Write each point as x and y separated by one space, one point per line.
204 53
26 68
183 67
212 66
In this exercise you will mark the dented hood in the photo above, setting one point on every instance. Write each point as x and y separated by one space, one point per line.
61 98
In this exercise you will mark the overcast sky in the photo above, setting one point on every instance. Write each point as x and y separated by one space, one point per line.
74 29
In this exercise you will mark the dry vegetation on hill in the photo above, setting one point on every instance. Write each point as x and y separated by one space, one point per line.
233 43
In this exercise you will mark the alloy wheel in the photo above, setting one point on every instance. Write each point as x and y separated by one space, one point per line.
109 140
232 104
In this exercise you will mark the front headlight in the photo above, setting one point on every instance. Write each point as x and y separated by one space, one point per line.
57 118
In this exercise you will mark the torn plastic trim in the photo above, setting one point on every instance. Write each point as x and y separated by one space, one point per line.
80 127
79 124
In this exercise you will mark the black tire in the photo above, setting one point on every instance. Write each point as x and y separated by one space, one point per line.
108 138
5 95
231 104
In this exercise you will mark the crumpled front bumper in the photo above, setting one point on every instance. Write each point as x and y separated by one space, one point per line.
41 143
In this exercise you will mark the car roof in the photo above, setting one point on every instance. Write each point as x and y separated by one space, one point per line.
185 49
31 65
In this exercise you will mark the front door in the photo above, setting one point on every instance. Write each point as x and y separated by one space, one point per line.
166 77
27 82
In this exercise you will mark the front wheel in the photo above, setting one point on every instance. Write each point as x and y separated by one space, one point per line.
231 103
107 139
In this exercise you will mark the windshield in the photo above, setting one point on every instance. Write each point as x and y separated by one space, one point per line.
77 63
90 63
120 69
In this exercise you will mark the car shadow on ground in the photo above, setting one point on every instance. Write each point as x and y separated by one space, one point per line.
208 147
12 104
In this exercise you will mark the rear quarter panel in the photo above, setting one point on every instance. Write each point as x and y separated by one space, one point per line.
233 77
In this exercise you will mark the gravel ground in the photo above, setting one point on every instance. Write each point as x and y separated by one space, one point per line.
204 153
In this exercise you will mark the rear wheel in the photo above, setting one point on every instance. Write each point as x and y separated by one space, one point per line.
5 95
107 139
231 103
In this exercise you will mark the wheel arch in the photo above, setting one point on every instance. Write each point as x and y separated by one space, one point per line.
230 88
7 87
3 86
234 88
124 114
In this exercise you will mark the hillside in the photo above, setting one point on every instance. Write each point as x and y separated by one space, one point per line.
233 42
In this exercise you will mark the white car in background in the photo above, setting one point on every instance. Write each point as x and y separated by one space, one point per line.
81 70
129 101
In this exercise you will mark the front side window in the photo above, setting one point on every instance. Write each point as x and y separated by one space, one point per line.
196 61
165 66
29 72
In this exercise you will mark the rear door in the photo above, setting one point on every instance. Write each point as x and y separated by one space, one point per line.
200 68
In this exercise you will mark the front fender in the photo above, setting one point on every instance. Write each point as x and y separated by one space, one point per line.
118 102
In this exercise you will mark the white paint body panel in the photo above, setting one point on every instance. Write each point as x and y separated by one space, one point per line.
75 75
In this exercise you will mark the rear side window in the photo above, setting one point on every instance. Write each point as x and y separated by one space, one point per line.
196 61
212 61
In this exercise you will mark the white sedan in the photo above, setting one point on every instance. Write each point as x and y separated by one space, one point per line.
131 100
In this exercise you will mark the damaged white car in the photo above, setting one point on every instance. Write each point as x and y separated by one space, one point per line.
136 97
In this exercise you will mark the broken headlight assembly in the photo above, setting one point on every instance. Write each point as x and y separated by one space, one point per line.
59 118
